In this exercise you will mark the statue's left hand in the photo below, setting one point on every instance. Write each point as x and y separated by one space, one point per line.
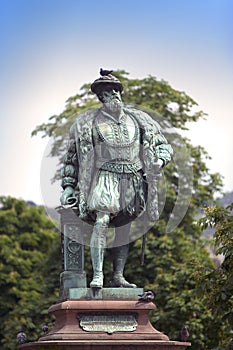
157 166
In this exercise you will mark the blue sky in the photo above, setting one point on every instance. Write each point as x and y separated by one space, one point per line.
49 48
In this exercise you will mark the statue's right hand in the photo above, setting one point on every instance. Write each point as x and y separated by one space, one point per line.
67 193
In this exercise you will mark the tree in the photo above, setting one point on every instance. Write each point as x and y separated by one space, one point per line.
176 107
217 281
170 259
27 238
171 108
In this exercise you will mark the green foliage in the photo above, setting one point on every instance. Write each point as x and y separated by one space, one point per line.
175 106
148 93
217 282
170 264
27 238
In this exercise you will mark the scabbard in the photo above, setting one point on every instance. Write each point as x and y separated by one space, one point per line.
143 249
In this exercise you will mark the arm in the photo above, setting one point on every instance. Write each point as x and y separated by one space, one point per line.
162 149
157 151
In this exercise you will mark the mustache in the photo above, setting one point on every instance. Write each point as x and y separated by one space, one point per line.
116 98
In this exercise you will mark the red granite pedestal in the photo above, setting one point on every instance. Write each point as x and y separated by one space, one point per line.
103 325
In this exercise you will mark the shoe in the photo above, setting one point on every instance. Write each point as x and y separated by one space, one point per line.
118 281
97 281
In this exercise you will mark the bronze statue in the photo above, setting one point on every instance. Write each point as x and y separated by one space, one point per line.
111 167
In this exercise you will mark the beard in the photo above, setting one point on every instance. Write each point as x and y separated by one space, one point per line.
114 106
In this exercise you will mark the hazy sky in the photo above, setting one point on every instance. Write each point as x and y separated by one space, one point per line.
49 48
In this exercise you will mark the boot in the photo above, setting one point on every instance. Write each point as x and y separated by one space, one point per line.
97 256
119 259
98 243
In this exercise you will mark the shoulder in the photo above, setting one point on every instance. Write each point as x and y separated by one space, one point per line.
84 120
144 119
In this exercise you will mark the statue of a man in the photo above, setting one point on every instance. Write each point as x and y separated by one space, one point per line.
114 157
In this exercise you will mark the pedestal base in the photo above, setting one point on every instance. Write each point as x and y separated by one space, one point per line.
102 319
103 325
106 345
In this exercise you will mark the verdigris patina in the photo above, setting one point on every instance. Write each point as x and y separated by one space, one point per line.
110 170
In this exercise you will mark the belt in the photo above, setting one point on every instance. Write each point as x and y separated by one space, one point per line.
120 167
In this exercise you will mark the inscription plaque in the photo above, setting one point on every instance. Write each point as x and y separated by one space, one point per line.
109 323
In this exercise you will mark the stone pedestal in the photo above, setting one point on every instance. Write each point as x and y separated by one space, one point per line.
102 320
73 275
107 345
104 325
96 319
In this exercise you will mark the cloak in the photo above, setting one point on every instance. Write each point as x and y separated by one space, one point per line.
80 163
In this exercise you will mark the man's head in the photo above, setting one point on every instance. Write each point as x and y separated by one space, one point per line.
107 92
108 89
110 96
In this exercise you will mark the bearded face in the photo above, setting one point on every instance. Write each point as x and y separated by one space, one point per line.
112 101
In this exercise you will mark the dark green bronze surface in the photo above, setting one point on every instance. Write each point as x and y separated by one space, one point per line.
105 293
110 174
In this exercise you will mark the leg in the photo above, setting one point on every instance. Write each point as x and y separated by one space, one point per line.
120 253
98 243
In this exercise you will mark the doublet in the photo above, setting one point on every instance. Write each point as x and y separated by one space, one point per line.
117 143
118 185
109 162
